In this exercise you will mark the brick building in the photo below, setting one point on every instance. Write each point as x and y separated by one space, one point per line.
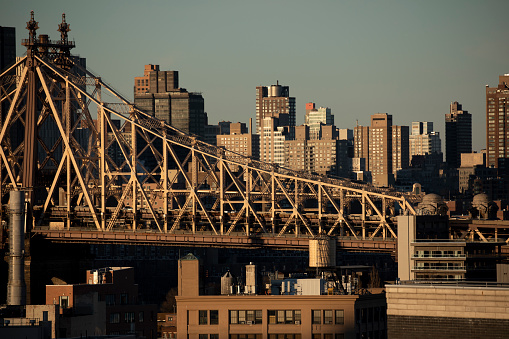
115 290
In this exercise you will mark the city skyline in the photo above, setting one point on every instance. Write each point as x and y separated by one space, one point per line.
410 60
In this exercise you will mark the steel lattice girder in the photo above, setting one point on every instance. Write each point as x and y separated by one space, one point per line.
117 175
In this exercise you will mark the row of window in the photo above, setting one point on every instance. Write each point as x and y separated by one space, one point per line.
252 317
129 317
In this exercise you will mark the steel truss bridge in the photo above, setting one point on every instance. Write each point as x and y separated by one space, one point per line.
96 169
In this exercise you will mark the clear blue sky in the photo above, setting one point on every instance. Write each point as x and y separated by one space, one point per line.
406 58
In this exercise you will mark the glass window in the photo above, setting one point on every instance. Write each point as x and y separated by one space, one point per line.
214 336
327 316
340 317
129 317
234 317
203 336
214 317
203 317
242 317
316 317
140 317
114 318
272 316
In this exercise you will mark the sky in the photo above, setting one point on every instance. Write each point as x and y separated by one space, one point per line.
410 59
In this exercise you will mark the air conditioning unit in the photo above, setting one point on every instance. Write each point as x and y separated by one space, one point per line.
249 322
297 322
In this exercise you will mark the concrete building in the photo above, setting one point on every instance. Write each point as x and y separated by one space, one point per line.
317 117
240 140
108 300
423 140
380 149
158 93
436 257
272 139
301 316
497 121
272 101
7 46
421 310
458 134
361 143
400 149
326 155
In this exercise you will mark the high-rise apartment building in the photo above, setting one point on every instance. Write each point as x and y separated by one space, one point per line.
327 155
7 46
423 140
272 101
240 141
272 139
158 94
380 149
458 134
400 149
316 117
361 143
497 122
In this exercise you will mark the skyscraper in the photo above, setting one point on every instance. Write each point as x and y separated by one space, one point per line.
423 140
399 148
317 117
380 149
272 101
458 134
7 46
158 94
497 121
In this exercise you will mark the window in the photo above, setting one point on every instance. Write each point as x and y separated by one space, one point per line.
123 299
114 318
203 336
214 317
214 336
327 317
64 301
129 317
110 299
203 317
246 317
340 317
316 317
140 317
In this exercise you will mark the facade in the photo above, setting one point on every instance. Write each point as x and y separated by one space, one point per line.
167 325
497 121
274 316
420 310
400 151
327 155
121 312
380 149
272 139
440 258
239 140
271 101
458 134
158 93
7 46
423 140
361 143
317 117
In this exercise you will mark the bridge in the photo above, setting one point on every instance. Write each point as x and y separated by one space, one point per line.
96 169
